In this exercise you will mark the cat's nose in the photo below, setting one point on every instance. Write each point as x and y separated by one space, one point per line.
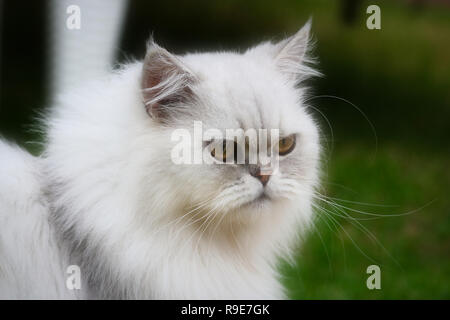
255 171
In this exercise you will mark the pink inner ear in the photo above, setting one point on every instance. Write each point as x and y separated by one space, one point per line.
154 71
151 80
165 82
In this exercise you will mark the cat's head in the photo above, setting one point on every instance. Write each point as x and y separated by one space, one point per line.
258 89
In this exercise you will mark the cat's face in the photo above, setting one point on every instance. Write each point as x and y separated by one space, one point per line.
250 91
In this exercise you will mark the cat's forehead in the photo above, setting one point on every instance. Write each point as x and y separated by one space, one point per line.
231 71
242 92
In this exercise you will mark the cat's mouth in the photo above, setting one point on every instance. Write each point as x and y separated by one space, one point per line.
262 197
260 201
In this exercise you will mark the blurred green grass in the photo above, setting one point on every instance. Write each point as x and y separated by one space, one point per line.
414 262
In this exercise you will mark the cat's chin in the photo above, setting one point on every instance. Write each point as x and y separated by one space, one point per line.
263 201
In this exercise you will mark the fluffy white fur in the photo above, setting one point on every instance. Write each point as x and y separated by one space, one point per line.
106 196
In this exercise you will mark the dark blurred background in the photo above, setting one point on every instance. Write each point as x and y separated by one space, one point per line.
396 78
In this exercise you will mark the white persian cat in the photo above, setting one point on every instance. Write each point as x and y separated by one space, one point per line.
107 197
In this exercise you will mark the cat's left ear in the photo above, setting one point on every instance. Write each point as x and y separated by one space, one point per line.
292 54
166 82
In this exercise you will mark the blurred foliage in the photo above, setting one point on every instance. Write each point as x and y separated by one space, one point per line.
398 77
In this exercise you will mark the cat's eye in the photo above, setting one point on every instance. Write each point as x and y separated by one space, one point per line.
286 145
224 151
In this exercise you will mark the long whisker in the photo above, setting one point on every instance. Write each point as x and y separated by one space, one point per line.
375 214
323 242
340 212
348 235
209 213
363 229
211 217
179 219
329 125
357 108
362 203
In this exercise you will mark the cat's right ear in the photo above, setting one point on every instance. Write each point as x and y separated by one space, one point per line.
166 82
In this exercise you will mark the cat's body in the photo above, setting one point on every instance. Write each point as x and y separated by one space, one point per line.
107 197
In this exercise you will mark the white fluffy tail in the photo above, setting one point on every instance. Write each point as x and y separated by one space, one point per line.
30 262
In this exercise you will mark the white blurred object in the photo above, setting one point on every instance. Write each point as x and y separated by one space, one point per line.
86 53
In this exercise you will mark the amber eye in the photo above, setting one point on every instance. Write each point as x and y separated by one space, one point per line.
286 145
223 151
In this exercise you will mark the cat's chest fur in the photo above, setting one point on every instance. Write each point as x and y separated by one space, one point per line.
166 266
191 277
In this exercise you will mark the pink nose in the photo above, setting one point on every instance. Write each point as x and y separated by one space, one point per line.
255 171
